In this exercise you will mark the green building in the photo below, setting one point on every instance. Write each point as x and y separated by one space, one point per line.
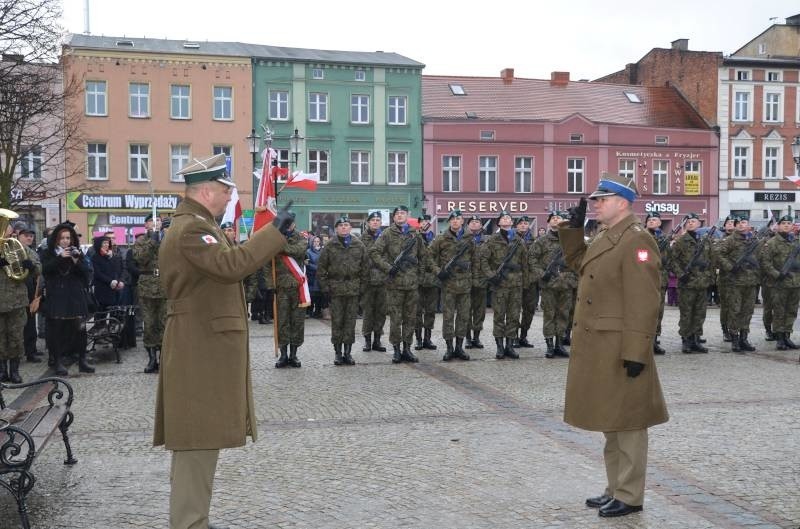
360 116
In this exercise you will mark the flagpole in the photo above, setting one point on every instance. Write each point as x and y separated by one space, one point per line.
275 276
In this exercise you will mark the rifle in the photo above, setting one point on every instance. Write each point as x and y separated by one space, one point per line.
664 243
554 266
790 265
403 257
505 264
447 269
745 258
694 261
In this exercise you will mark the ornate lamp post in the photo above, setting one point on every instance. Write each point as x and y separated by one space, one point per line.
252 145
296 145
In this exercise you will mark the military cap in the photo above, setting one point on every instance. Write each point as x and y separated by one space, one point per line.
615 185
652 214
555 213
473 217
522 218
225 225
341 220
214 168
729 217
786 218
424 217
740 218
692 215
453 214
149 217
373 215
503 213
399 208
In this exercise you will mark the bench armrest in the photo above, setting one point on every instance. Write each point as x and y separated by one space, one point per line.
60 393
15 441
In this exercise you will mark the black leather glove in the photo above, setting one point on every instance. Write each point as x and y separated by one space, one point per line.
155 235
166 222
3 261
577 214
393 270
27 264
284 219
443 276
633 368
547 277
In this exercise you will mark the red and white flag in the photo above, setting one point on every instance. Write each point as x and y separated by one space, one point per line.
795 179
266 201
233 211
301 180
300 276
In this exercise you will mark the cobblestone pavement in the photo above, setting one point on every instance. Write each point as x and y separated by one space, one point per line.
435 445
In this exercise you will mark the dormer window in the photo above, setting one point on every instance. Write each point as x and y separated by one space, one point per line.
457 90
633 98
576 137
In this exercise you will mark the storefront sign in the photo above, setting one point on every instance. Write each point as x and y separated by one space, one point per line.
77 201
487 206
774 197
691 183
672 208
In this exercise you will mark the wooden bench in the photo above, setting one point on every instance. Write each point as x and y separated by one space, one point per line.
25 432
105 328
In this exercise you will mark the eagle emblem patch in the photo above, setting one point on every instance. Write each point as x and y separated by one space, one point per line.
642 255
209 239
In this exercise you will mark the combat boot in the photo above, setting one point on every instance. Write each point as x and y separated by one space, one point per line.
735 345
780 342
686 345
788 341
3 371
657 349
696 347
367 343
84 367
551 353
726 334
348 359
426 342
558 350
151 366
397 357
13 371
699 338
476 342
501 349
337 359
469 340
509 349
293 361
770 336
376 343
448 354
283 361
418 336
523 340
744 343
32 358
567 337
459 352
408 356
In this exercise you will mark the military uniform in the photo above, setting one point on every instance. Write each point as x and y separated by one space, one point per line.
373 297
428 299
291 315
784 285
724 280
662 241
767 291
340 270
692 285
152 297
530 298
477 295
737 258
13 316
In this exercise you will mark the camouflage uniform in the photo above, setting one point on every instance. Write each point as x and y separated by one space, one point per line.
455 287
13 316
724 281
662 241
373 298
767 291
785 289
428 300
340 271
506 290
530 299
692 300
477 295
151 294
291 316
743 274
557 285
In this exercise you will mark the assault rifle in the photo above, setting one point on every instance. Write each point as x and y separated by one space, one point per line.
447 269
505 264
746 257
403 257
790 265
698 252
554 266
663 244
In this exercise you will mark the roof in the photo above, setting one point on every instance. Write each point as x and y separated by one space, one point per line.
239 49
490 99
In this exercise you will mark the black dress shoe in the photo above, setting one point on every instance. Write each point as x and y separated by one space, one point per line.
598 501
618 508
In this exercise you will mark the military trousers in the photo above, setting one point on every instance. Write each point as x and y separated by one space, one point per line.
784 308
402 306
692 303
29 333
742 304
154 313
625 456
455 314
373 306
12 333
768 306
344 310
191 480
555 311
428 300
477 308
291 317
506 303
530 298
723 287
661 309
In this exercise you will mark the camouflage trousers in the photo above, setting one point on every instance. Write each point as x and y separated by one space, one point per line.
768 306
724 302
428 300
373 306
12 326
661 310
344 310
784 308
402 307
692 303
477 308
556 306
506 303
742 304
291 318
530 298
455 314
154 313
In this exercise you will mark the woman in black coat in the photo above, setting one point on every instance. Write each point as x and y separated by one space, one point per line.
108 282
66 277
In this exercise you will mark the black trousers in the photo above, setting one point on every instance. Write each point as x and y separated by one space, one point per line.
29 334
65 337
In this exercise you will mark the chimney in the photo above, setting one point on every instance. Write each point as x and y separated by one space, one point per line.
680 44
559 78
507 75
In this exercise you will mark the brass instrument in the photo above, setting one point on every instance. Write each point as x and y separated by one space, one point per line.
11 249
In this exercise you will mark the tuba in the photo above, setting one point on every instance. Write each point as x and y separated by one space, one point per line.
11 249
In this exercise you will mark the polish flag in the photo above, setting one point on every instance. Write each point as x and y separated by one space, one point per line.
302 180
795 179
233 211
266 203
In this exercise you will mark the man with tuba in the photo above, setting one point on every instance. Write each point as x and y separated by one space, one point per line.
16 262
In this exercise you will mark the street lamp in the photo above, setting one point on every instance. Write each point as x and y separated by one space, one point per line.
296 145
796 154
252 145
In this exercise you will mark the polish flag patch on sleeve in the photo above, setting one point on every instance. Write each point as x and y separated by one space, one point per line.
209 239
642 255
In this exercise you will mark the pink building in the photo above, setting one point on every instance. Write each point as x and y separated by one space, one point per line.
531 146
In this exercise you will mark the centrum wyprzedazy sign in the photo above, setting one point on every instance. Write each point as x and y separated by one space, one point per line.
77 201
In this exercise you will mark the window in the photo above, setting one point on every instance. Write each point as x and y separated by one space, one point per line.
457 90
576 138
662 140
361 75
772 166
317 73
179 157
223 102
627 169
359 109
397 168
397 110
96 161
221 149
359 167
283 161
633 98
762 48
317 106
660 177
139 162
772 106
741 106
487 135
451 173
31 164
523 174
179 103
96 98
279 105
487 174
575 175
139 97
741 158
318 163
774 76
742 75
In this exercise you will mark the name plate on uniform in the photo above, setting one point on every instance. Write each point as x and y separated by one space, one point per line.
774 197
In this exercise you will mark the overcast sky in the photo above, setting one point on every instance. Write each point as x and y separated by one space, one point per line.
588 38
